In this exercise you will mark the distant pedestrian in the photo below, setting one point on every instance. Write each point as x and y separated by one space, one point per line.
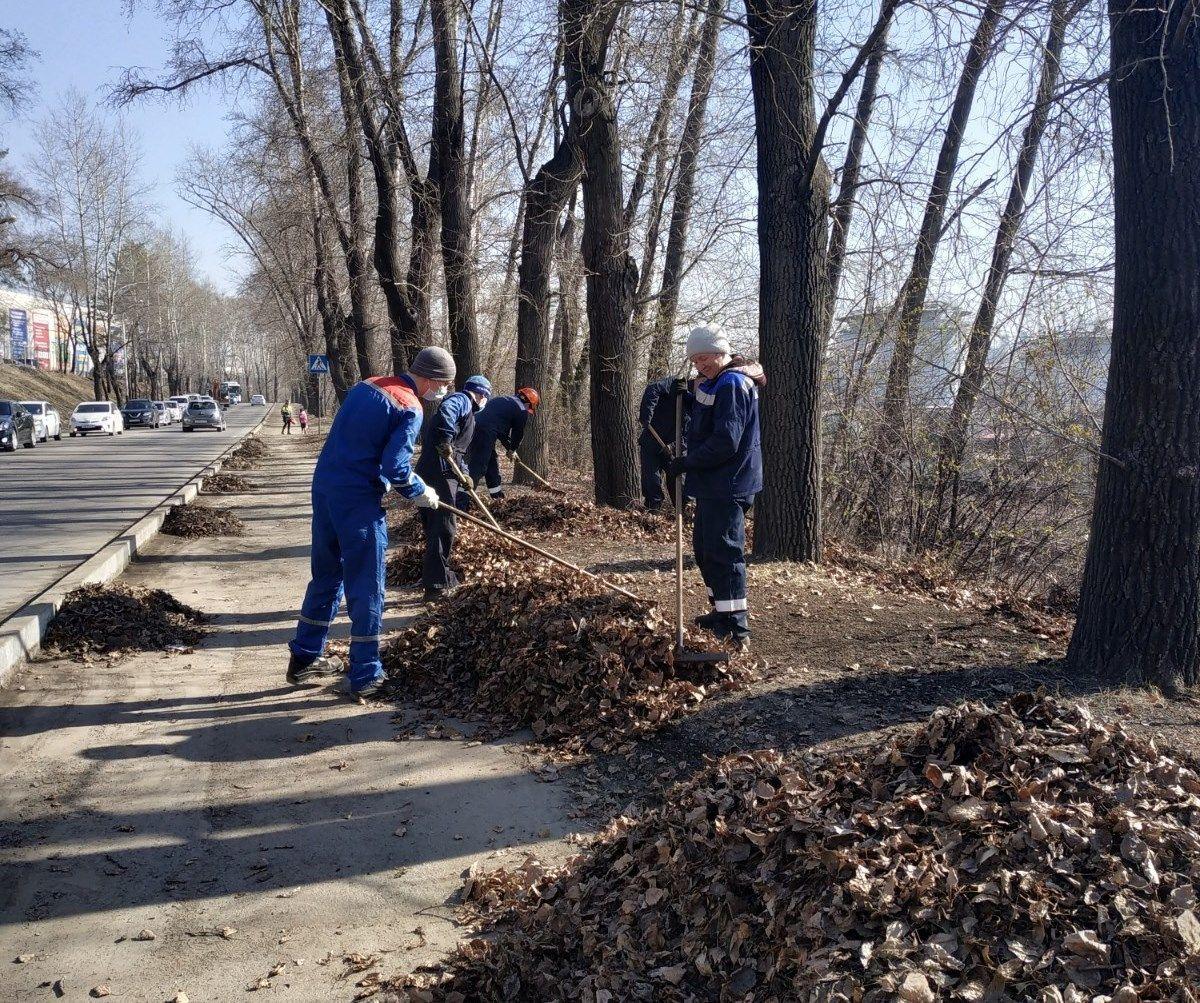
303 420
286 413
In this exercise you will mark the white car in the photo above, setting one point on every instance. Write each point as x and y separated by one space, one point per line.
177 405
258 400
97 416
47 422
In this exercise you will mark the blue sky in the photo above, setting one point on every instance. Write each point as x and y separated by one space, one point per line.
84 44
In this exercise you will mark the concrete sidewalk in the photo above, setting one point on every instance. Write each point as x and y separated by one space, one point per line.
185 794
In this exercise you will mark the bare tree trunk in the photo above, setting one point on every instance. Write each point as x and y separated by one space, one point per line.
545 199
611 272
1139 618
793 198
954 435
912 295
685 186
457 257
570 275
843 206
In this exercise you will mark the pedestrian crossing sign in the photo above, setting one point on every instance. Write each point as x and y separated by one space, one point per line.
318 363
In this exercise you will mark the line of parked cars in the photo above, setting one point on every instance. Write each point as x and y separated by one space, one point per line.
26 423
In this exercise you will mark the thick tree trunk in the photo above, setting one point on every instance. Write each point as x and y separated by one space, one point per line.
545 198
1139 605
457 258
953 440
912 295
793 205
570 277
611 272
685 187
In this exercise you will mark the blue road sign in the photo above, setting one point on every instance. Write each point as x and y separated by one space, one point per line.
318 363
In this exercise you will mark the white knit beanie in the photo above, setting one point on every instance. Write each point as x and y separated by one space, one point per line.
707 340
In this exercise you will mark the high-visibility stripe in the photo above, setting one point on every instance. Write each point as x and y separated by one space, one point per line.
710 593
495 491
730 605
315 623
703 398
364 638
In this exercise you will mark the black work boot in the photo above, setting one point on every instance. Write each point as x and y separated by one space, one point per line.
709 621
309 673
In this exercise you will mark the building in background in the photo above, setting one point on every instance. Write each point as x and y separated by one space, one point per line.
34 331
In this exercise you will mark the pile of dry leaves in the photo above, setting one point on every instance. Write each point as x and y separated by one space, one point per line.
117 618
473 549
1016 853
244 457
202 520
542 513
524 644
226 484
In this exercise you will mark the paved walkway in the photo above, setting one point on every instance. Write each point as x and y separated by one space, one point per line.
189 793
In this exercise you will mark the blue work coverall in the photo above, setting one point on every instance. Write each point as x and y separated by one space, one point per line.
368 451
724 472
657 412
503 420
453 422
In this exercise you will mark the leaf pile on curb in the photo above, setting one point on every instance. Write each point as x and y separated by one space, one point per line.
116 618
244 457
474 548
525 645
226 484
191 521
1021 852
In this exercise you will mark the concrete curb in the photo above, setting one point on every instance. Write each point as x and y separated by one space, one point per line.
21 634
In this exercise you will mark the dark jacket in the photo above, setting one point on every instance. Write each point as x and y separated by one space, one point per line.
370 443
452 422
503 420
657 411
724 451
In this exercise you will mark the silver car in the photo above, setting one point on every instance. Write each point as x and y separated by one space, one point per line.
203 414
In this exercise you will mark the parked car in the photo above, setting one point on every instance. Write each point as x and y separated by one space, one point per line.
141 411
46 420
203 414
97 416
258 400
16 426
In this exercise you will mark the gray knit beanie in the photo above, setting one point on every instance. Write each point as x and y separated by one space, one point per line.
707 340
433 363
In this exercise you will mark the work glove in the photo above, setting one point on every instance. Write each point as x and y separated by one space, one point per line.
510 454
677 467
445 450
679 386
428 499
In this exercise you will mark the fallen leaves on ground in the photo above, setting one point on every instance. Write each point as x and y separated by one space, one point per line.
1021 852
226 484
191 521
472 547
118 618
523 644
244 457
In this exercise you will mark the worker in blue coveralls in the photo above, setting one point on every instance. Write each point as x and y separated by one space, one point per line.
657 417
447 435
503 420
368 453
723 468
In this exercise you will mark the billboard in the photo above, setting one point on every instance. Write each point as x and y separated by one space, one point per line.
18 331
41 342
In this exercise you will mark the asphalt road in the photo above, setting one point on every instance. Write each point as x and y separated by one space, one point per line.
63 501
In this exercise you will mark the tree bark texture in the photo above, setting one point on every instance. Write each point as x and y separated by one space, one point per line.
611 272
685 188
457 257
547 195
793 205
953 440
1139 605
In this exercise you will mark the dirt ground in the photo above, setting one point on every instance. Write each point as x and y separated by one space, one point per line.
251 828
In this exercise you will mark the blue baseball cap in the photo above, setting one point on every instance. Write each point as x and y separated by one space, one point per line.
480 385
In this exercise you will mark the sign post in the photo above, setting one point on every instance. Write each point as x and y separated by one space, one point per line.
319 364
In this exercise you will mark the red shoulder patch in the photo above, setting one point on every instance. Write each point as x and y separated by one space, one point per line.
396 389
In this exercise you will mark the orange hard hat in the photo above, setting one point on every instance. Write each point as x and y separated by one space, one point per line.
530 396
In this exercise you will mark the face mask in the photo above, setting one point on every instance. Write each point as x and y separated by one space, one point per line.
434 395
